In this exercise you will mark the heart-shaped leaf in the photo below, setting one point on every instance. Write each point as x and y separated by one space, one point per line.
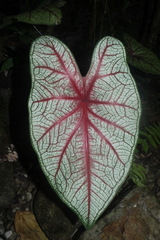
141 57
84 129
47 16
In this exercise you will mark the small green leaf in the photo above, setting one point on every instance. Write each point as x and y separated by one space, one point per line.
144 144
153 143
59 3
141 57
153 133
138 174
43 16
150 138
157 129
7 64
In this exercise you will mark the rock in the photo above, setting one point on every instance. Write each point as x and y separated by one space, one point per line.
7 186
156 213
51 218
136 217
8 234
28 197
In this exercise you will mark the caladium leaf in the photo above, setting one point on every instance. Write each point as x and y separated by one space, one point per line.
84 129
141 57
44 16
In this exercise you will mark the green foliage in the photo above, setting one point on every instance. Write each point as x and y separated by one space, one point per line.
44 15
138 175
40 13
116 18
104 15
7 64
150 137
140 56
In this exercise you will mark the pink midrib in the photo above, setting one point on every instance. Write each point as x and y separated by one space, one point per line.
83 123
